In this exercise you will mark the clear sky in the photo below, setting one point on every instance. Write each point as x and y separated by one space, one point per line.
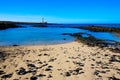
61 11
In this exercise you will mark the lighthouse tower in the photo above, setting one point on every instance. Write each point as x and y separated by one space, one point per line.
43 20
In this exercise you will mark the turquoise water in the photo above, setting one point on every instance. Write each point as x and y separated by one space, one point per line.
50 35
33 36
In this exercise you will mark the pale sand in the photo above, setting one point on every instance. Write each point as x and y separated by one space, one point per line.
69 61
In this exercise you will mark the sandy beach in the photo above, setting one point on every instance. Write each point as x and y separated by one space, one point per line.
69 61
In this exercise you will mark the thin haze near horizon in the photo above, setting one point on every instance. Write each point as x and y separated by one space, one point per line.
61 11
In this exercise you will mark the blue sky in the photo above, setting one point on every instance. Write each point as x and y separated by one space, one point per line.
61 11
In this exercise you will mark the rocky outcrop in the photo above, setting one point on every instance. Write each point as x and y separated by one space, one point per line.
101 29
6 25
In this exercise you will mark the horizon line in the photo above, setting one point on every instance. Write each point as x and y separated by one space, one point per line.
61 22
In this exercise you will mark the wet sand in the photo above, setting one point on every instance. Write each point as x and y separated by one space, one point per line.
69 61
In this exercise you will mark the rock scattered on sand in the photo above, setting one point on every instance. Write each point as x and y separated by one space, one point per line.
76 71
7 76
116 50
113 78
52 59
41 75
42 66
96 72
115 58
31 66
22 71
2 72
2 56
50 76
33 78
46 54
67 74
15 79
42 62
79 63
48 69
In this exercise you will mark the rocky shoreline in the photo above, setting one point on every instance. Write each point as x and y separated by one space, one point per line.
92 41
100 29
6 25
87 58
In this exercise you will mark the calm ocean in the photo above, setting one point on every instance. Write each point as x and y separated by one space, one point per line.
29 35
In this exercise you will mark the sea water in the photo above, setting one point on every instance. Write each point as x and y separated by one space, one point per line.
34 36
29 35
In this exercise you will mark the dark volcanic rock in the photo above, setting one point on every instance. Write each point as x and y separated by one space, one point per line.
6 25
79 63
50 66
115 58
116 50
96 72
15 79
32 68
113 78
32 71
93 41
2 72
31 65
67 34
50 76
33 78
2 55
22 71
46 54
41 75
48 69
76 71
101 29
52 60
15 45
42 66
7 76
67 74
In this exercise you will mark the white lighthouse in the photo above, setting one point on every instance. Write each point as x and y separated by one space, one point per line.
43 22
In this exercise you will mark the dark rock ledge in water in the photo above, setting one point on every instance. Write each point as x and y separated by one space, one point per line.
92 41
15 45
100 29
40 25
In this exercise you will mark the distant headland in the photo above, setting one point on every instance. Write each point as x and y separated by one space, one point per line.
15 24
